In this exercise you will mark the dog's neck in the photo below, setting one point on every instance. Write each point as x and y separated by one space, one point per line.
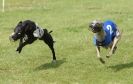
100 36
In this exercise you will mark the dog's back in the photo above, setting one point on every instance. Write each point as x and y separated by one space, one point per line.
110 28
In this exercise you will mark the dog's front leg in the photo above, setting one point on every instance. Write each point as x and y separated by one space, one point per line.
21 45
21 41
98 54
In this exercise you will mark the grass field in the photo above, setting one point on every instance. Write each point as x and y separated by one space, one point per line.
76 56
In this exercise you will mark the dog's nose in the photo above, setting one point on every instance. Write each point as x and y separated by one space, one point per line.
10 37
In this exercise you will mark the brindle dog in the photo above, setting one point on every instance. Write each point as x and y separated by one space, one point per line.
106 34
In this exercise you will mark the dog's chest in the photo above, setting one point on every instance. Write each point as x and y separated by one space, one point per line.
100 36
104 40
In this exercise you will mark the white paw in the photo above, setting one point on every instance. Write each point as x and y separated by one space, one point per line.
54 61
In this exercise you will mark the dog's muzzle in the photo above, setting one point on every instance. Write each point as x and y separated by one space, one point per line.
10 37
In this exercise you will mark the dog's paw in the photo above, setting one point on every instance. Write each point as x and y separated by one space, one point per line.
18 50
107 56
54 61
102 61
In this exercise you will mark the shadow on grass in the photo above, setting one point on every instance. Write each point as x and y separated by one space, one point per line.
50 65
121 66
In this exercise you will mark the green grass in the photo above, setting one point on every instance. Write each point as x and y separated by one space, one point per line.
76 56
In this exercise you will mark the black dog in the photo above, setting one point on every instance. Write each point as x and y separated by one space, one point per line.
27 31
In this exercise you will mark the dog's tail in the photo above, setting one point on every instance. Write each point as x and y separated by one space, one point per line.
51 31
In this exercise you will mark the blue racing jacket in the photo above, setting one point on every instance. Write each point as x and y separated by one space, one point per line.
110 28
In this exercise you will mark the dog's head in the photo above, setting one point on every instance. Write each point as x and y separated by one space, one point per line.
95 26
21 29
18 32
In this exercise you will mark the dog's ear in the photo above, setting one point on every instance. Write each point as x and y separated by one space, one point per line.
100 24
20 22
90 25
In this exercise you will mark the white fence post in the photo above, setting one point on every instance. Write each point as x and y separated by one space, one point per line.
3 6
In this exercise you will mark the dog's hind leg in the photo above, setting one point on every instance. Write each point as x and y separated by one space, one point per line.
98 55
53 52
51 46
47 38
113 46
